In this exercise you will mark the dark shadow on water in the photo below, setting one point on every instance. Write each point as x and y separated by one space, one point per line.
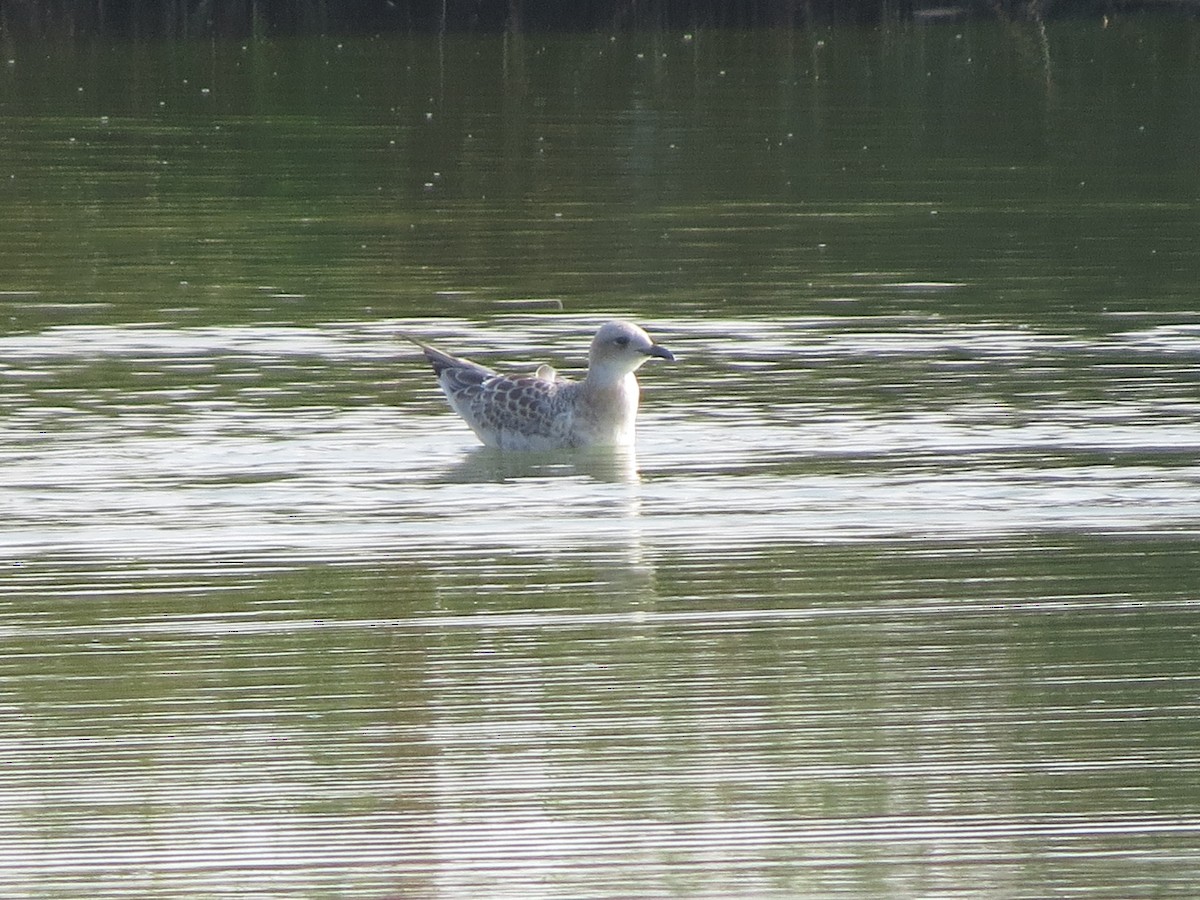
605 464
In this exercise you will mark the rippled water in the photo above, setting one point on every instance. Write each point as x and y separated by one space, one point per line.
276 624
896 598
334 441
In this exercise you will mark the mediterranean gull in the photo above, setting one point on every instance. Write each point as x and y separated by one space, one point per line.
545 411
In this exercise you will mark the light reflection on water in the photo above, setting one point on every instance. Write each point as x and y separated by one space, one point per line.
831 435
270 618
670 747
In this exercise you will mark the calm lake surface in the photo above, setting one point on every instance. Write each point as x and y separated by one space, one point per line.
899 595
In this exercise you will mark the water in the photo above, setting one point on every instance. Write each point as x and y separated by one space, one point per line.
895 598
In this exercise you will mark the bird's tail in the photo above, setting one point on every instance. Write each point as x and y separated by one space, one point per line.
438 359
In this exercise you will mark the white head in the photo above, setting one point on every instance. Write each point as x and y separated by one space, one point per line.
620 348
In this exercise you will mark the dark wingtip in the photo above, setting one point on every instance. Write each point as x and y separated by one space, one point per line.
436 358
444 362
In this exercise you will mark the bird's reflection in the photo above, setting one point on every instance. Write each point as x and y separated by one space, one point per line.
614 465
599 506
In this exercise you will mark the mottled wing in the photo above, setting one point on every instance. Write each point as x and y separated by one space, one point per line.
520 408
517 411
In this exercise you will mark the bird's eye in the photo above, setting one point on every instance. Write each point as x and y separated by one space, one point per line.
622 342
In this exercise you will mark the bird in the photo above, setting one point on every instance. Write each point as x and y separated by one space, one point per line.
545 411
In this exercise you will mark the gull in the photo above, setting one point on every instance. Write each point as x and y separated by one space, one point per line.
545 411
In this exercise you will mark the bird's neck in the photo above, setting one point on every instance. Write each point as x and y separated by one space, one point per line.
608 409
610 381
604 377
